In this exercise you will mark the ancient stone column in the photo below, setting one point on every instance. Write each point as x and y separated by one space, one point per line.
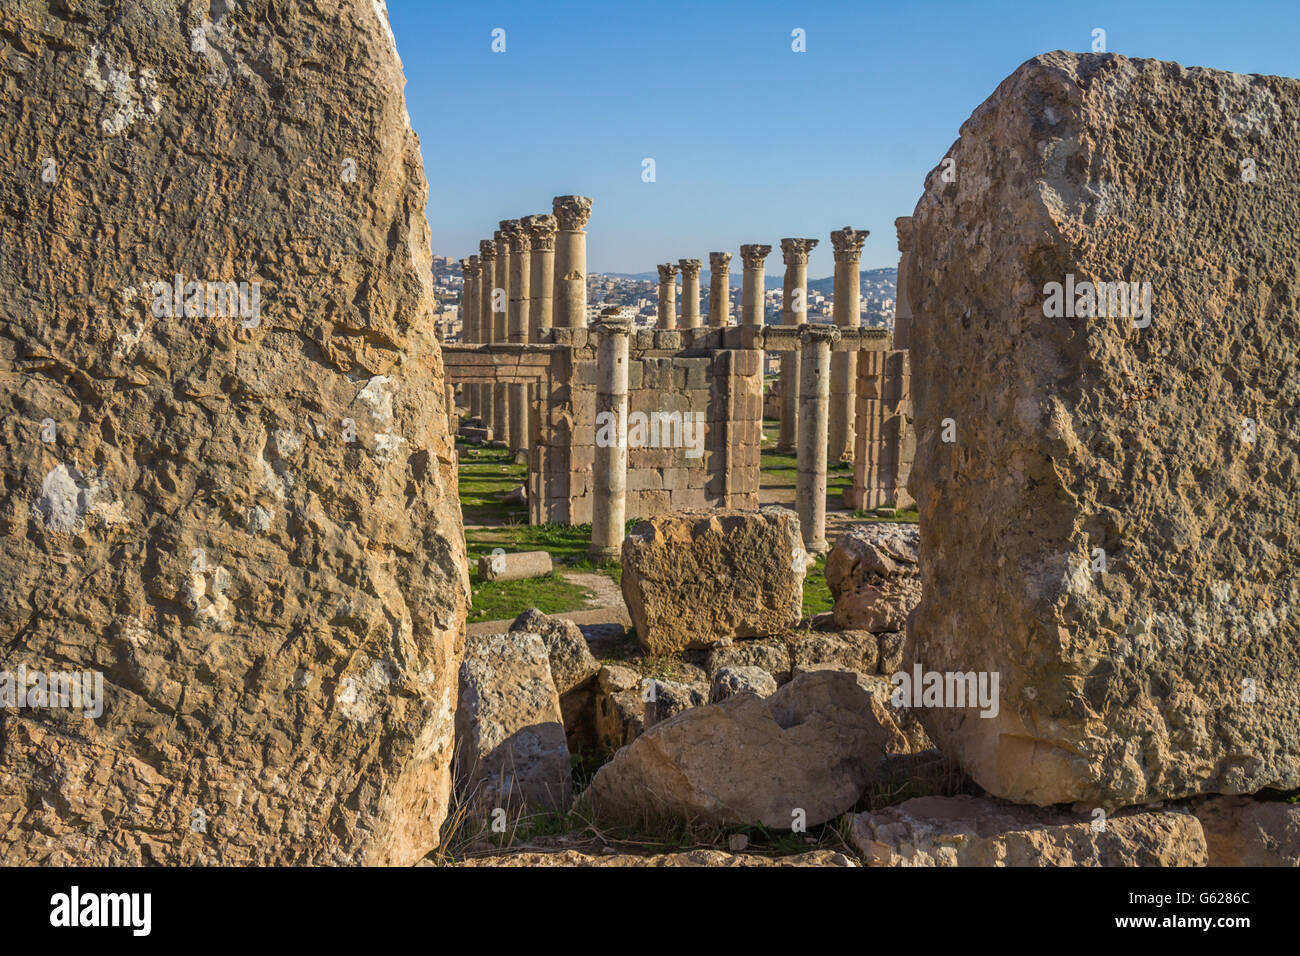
487 255
751 295
501 334
847 244
668 296
520 244
690 292
814 401
469 310
609 472
571 213
719 289
794 311
541 230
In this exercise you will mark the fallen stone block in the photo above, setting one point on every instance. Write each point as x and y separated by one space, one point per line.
664 699
692 577
873 576
620 711
851 650
730 681
973 831
511 750
773 658
802 756
572 664
514 566
1104 357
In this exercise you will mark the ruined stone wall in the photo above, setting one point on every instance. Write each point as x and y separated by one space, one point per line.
246 524
671 372
883 449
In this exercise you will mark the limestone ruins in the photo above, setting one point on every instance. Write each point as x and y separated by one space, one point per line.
231 497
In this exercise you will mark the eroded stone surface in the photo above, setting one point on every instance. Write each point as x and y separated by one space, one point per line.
689 858
1166 447
872 575
691 577
805 753
1240 831
971 831
245 518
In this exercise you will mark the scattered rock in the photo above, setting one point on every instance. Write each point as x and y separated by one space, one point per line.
1241 831
691 577
972 831
851 650
664 699
730 681
572 664
511 749
805 753
872 574
514 566
620 711
773 658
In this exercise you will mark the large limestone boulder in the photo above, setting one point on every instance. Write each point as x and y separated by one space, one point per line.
804 754
511 749
1109 501
239 509
692 577
873 576
972 831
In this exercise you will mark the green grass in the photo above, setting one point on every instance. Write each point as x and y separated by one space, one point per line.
486 476
498 600
816 594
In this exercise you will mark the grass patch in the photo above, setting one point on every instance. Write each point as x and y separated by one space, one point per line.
816 593
497 600
486 476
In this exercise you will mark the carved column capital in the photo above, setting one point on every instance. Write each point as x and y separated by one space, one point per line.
753 255
690 267
795 251
470 267
572 212
541 229
847 243
516 235
905 233
667 272
487 250
719 261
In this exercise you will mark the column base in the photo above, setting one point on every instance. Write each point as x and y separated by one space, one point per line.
605 554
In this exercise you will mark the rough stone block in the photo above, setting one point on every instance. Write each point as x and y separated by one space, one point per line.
1157 437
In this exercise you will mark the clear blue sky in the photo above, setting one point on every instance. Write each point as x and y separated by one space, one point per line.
752 142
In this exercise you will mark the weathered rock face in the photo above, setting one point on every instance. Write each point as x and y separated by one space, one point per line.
970 831
511 749
1168 447
1240 831
873 576
692 577
572 664
241 511
730 681
811 747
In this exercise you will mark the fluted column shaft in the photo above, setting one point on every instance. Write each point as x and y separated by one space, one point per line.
719 289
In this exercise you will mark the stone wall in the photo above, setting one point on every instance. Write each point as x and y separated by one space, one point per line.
700 372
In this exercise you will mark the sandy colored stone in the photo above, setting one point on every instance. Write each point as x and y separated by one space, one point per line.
1177 670
873 576
1241 831
692 577
852 650
973 831
247 523
571 661
511 749
730 681
811 746
689 858
665 698
515 566
773 658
